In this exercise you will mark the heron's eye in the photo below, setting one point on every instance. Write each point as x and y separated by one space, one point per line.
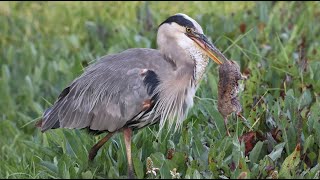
188 30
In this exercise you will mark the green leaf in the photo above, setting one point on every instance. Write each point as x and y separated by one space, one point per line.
254 154
238 150
276 152
87 175
179 159
158 159
305 99
308 143
315 172
288 167
138 167
64 165
196 175
50 166
189 173
113 172
165 169
198 147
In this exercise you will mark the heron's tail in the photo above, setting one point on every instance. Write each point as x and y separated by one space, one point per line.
40 123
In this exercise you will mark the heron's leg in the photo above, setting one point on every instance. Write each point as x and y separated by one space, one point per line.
96 147
127 132
225 125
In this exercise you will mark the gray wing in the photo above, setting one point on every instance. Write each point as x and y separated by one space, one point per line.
109 93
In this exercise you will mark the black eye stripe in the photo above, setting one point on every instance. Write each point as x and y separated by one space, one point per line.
179 19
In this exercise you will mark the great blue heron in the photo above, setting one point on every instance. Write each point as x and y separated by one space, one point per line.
137 87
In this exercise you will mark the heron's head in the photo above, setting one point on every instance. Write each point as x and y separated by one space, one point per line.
185 32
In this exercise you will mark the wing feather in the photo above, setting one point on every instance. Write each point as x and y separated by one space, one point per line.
108 94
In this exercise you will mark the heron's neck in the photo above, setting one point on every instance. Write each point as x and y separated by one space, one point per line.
192 57
201 61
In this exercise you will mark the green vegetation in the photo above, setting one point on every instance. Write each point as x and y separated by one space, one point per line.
45 45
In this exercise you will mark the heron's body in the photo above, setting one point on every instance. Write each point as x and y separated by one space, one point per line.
137 87
101 98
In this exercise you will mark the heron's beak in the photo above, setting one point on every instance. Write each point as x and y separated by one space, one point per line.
208 47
